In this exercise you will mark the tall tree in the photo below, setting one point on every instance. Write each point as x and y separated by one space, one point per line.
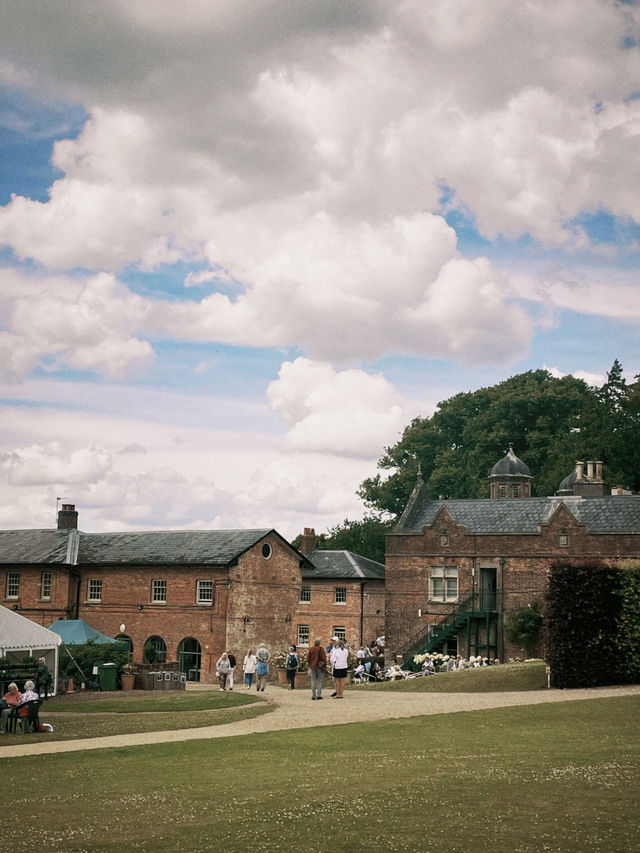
551 422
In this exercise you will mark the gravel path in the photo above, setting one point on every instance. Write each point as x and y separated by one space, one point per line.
294 709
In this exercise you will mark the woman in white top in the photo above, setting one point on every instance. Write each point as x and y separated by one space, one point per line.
338 658
224 667
249 667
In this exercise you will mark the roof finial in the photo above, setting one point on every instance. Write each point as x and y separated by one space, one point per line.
419 479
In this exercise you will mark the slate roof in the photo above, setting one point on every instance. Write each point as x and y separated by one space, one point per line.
610 514
38 546
167 547
342 564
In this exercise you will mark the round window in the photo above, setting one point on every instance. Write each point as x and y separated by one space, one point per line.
267 550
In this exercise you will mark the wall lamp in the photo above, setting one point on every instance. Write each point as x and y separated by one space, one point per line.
139 607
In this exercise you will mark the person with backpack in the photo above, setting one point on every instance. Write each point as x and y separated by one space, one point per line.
292 667
262 670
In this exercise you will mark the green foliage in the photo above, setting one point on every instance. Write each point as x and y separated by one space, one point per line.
524 626
79 661
365 537
550 422
584 606
629 627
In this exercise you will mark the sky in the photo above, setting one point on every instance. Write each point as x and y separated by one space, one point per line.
244 243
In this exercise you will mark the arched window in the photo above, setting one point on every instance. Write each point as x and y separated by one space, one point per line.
155 650
189 655
125 638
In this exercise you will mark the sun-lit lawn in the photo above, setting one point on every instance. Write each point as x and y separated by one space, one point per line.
557 777
527 675
100 714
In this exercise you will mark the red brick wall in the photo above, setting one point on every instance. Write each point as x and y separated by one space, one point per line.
322 614
521 563
30 604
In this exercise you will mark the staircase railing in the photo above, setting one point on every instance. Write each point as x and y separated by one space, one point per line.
477 604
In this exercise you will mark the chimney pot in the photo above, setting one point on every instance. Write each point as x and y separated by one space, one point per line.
579 470
67 517
590 470
599 471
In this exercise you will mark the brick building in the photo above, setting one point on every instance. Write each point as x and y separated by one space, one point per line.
456 568
342 595
188 595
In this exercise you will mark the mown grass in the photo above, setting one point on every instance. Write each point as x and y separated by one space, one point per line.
527 675
130 713
557 777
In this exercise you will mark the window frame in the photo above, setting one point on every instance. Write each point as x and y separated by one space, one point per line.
305 594
94 585
441 580
157 585
200 585
46 583
340 631
12 581
338 591
302 630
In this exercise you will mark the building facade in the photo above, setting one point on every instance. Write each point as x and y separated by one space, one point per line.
455 569
187 596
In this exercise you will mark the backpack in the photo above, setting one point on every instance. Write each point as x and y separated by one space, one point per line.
292 661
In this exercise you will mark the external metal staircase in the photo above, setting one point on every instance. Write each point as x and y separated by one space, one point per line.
479 611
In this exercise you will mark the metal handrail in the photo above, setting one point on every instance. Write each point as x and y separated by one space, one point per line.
472 604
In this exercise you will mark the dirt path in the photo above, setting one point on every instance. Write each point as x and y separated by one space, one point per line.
294 709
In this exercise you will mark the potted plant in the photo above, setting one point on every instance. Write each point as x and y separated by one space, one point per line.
279 661
128 675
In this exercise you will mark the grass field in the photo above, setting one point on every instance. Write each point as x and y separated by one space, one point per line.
99 715
557 777
528 675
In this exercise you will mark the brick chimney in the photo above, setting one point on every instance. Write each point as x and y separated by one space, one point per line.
67 517
309 541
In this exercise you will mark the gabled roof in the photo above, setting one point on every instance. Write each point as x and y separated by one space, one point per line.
38 546
18 632
168 547
342 564
609 514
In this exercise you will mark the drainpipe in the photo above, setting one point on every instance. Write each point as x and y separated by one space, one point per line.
362 612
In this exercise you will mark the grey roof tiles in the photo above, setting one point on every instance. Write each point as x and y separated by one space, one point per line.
342 564
610 514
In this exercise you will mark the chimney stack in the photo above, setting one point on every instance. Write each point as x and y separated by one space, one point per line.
309 540
67 517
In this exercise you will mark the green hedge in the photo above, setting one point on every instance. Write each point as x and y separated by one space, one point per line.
593 624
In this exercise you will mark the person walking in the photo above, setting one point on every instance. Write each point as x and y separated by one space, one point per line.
222 668
249 668
263 654
339 657
292 667
317 668
232 667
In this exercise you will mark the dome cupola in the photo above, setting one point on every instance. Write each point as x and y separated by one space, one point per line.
510 477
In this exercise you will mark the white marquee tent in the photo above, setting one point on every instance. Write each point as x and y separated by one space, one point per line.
21 638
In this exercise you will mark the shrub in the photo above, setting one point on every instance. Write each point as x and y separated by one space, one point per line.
524 627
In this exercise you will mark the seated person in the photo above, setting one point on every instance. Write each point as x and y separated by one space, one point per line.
11 699
359 671
29 695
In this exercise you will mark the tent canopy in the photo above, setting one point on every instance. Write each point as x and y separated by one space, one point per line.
21 638
77 632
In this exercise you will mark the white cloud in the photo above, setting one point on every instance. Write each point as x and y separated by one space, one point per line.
347 413
87 325
594 379
54 464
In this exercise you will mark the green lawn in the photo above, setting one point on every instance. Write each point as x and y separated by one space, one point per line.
557 777
99 715
528 675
